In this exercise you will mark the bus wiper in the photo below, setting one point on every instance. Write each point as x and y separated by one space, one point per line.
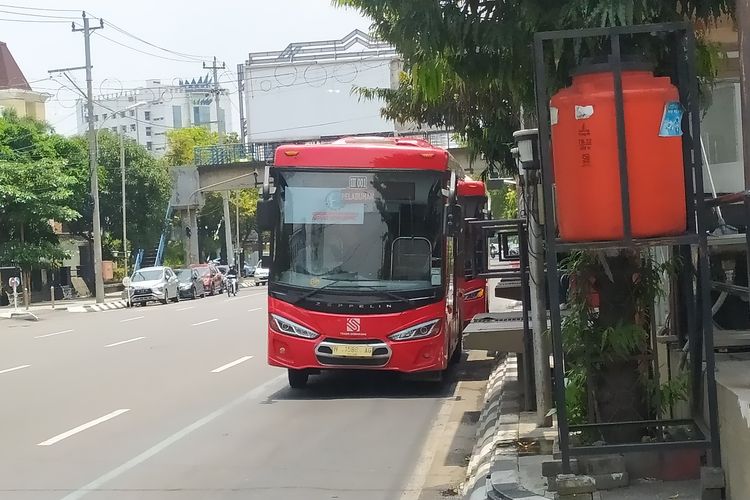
317 290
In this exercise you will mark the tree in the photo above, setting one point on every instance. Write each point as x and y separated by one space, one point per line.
181 144
31 195
147 191
468 65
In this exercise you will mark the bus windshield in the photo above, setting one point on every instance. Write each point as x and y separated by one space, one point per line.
354 230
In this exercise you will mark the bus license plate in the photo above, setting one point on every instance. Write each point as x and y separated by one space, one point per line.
352 351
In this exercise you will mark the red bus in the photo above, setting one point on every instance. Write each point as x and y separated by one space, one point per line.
472 296
366 257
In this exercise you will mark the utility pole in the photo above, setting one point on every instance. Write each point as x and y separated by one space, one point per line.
241 100
124 212
217 92
220 127
98 280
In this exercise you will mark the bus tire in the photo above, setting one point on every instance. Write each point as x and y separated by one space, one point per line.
297 378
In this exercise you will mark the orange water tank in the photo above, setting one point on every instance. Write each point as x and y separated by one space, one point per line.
586 165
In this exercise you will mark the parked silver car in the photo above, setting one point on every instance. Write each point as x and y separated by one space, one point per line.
152 284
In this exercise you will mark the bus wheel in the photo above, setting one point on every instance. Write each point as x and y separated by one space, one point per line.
297 378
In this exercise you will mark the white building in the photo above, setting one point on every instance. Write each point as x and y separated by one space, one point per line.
147 113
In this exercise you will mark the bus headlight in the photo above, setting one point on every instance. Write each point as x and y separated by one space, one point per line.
420 331
288 327
474 294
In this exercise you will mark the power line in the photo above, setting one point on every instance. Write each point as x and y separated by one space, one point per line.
135 37
36 15
36 21
39 9
144 52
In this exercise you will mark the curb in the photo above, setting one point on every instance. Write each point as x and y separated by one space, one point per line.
493 472
107 306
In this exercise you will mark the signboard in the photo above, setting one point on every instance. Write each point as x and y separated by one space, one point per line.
14 282
305 205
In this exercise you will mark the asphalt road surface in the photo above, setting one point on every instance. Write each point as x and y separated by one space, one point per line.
177 401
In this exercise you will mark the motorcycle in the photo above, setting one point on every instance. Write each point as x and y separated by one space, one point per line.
232 285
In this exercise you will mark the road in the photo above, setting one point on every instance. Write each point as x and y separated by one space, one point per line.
177 401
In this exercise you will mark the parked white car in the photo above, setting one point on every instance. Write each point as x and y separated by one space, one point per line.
261 275
152 284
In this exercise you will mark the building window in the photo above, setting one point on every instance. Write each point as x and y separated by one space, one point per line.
148 131
132 112
114 129
104 116
177 116
149 146
720 134
123 128
147 115
132 127
96 118
201 115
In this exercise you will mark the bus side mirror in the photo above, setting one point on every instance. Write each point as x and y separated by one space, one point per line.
455 220
267 214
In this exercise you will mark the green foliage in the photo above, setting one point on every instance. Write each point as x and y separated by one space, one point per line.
174 255
31 195
504 202
147 191
468 65
182 142
591 345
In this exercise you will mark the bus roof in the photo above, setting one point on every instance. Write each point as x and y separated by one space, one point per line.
365 152
468 187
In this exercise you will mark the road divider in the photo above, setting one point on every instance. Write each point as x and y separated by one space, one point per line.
53 334
125 342
230 365
8 370
83 427
205 322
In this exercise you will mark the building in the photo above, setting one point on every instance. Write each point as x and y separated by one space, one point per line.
721 128
145 114
304 92
307 92
15 91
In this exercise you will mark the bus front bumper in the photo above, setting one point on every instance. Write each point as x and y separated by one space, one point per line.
422 355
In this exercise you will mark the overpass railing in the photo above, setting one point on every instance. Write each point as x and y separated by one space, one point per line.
223 154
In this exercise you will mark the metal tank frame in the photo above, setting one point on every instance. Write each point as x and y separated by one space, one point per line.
698 319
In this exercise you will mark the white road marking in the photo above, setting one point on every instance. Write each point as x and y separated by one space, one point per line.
260 391
83 427
131 319
125 342
8 370
253 310
52 334
184 308
205 322
233 363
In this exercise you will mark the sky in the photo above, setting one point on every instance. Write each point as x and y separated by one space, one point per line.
227 29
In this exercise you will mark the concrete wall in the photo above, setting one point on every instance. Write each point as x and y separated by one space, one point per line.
733 383
25 103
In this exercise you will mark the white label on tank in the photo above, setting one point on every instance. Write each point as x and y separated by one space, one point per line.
584 112
554 115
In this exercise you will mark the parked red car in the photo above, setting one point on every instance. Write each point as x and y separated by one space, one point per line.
212 279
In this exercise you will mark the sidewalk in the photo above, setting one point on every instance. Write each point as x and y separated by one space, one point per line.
84 304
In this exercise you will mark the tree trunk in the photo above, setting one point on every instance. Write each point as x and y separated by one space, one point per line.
620 395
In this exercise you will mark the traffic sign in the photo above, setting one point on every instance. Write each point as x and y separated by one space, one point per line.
14 282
